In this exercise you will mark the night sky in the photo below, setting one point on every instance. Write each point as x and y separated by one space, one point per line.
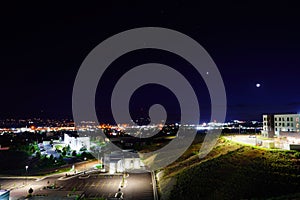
43 46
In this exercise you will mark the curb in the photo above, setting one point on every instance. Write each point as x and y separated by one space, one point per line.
155 196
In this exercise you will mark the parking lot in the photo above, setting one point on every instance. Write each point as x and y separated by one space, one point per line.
138 186
94 186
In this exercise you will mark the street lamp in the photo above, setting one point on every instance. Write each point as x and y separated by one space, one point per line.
84 164
100 161
26 167
99 151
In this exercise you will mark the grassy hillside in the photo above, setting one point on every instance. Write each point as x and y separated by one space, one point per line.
232 171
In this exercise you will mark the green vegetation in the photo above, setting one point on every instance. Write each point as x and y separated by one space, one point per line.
29 149
86 155
74 153
99 166
59 147
232 171
30 191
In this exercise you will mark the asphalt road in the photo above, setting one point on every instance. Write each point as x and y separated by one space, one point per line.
138 186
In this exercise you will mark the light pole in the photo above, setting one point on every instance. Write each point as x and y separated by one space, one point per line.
100 160
99 151
26 167
84 165
124 173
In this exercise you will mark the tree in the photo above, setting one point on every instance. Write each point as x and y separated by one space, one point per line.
30 191
68 148
32 149
83 148
84 154
38 154
74 153
60 159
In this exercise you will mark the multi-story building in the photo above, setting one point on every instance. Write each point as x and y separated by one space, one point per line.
287 123
268 126
274 124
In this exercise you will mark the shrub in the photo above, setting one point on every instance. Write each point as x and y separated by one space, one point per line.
74 153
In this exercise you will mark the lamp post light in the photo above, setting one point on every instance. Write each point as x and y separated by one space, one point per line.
100 160
26 167
99 151
84 164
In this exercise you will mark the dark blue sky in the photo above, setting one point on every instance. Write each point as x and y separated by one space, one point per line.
42 47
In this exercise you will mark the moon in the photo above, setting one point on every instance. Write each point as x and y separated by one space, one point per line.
257 85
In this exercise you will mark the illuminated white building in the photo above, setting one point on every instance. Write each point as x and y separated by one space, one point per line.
277 123
77 143
118 162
